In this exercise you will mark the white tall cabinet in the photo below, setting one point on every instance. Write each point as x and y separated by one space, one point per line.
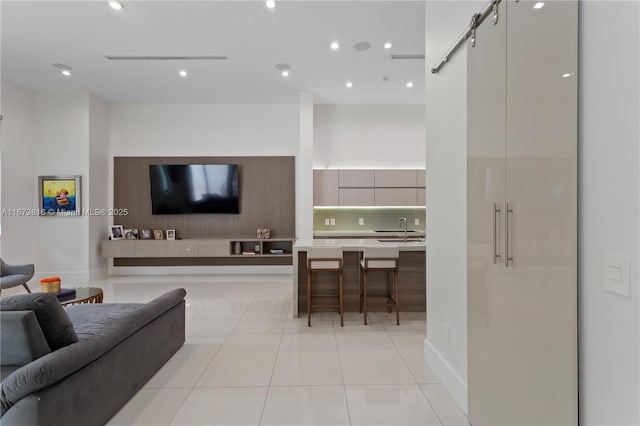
522 216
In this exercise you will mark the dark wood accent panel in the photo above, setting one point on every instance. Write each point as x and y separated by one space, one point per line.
202 261
267 198
411 279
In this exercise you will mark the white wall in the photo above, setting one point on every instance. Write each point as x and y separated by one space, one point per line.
446 150
609 210
18 179
98 182
61 135
368 136
304 169
203 130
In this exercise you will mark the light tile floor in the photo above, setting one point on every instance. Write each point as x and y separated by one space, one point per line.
246 361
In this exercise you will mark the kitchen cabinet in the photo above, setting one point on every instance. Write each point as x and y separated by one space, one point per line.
421 176
357 196
356 178
421 197
325 187
522 216
395 178
395 197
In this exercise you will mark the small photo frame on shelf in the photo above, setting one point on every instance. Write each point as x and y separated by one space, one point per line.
116 232
145 234
171 234
158 234
131 234
60 195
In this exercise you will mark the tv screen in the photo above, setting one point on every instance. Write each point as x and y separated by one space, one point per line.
194 188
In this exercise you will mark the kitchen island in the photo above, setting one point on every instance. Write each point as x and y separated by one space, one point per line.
411 274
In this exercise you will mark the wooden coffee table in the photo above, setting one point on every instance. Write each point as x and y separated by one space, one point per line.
84 295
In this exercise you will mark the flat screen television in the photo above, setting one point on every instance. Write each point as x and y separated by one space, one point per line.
194 188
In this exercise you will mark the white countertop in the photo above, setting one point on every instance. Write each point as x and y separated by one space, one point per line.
368 233
352 244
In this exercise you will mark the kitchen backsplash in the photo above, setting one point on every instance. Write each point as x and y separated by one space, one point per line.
374 218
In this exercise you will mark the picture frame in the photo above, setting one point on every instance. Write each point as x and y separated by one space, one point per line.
171 234
158 234
60 195
116 232
131 234
145 234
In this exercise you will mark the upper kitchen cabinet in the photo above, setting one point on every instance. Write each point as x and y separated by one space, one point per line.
421 176
325 187
395 178
356 179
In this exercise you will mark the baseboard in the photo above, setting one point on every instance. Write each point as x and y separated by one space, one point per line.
200 270
449 377
98 274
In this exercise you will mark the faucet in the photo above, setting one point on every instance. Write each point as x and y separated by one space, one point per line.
404 219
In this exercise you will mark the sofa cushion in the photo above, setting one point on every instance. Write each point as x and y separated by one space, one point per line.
21 340
54 321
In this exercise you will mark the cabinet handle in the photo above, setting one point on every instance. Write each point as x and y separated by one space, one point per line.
507 256
496 213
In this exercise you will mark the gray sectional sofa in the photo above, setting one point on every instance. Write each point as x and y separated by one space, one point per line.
79 365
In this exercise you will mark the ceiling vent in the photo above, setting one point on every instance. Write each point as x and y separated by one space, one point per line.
164 58
410 56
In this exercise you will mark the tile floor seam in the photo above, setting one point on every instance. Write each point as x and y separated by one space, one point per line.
406 363
180 407
431 405
273 369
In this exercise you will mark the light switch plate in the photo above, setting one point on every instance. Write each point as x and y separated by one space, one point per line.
327 222
333 221
416 221
360 221
616 274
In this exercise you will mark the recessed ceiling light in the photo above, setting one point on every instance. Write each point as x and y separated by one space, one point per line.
64 69
335 45
538 5
349 84
285 73
183 73
361 46
388 45
116 5
271 4
409 84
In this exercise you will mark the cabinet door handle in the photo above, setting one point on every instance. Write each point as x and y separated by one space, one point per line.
507 243
496 213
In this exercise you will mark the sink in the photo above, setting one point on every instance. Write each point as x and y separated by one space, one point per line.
401 240
396 230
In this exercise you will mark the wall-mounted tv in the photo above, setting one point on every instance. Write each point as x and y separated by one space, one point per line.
194 188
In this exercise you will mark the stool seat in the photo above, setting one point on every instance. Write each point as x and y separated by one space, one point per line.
384 259
324 259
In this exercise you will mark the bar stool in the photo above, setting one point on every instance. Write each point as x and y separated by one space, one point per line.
324 259
380 259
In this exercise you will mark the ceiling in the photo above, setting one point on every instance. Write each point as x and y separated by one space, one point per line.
36 34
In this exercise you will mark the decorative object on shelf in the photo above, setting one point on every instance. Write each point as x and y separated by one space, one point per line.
116 232
158 234
131 234
257 248
263 233
237 247
171 234
145 234
276 251
66 294
60 195
50 285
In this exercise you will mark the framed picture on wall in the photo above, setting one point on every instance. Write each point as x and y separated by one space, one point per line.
60 195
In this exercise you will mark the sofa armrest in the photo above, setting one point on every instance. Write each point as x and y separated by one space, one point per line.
21 340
